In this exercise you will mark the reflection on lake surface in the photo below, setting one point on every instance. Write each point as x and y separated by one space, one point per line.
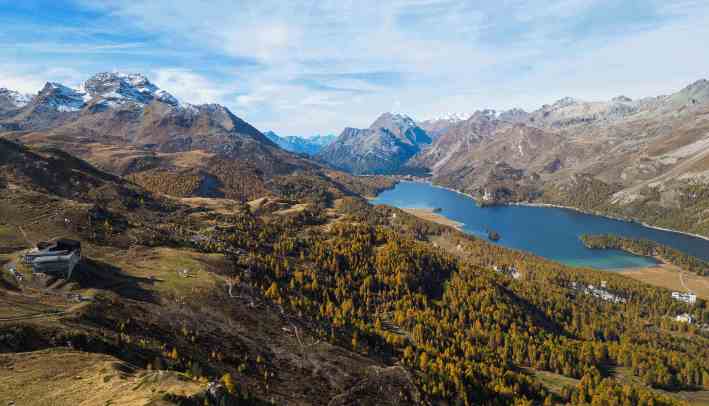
546 231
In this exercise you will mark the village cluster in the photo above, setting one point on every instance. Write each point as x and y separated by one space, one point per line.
600 292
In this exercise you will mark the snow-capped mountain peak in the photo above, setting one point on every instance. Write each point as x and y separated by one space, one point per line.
16 99
393 120
62 98
102 91
113 89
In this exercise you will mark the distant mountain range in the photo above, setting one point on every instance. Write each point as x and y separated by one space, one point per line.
126 125
646 159
301 145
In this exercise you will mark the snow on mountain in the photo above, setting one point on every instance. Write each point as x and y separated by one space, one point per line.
116 89
62 98
103 90
449 117
110 90
16 99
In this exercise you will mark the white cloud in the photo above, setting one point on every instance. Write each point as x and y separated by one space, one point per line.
22 83
189 86
306 67
30 79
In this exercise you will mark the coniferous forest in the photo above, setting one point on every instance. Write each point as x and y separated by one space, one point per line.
470 335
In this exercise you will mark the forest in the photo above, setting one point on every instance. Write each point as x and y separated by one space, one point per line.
387 286
375 283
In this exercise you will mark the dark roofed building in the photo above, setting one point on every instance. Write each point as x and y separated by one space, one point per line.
58 257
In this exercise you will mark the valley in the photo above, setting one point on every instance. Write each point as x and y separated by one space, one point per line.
371 203
217 268
643 160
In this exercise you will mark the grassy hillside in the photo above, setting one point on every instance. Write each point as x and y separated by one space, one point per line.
316 300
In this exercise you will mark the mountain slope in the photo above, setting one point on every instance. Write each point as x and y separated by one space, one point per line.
55 172
124 124
209 301
435 126
382 148
364 308
637 158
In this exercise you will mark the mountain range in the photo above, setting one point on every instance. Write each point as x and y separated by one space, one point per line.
127 126
220 269
301 145
645 159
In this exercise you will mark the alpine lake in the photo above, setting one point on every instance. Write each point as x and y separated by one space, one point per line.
549 232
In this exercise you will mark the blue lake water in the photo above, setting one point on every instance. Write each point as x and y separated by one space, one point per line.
546 231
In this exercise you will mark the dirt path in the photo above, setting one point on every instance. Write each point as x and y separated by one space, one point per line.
24 235
671 277
44 315
681 280
28 311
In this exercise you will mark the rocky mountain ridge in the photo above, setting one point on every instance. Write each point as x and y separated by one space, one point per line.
126 125
384 147
640 159
636 157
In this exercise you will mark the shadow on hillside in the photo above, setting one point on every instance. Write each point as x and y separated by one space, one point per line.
101 275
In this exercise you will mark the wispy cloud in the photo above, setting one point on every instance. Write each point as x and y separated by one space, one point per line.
27 78
191 87
80 48
317 66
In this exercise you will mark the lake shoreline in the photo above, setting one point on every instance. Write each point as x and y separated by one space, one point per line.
593 213
576 209
428 214
519 227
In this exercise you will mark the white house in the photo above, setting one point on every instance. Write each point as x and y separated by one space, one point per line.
690 298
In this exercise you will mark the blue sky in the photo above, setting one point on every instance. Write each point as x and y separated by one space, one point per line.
309 67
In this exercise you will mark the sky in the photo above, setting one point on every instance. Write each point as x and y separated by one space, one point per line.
315 67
